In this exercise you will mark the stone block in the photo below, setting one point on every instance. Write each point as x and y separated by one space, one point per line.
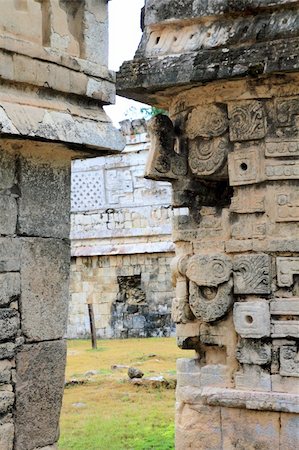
9 323
209 270
44 204
6 436
289 433
253 378
10 287
250 430
188 372
8 218
253 352
246 120
284 328
7 169
7 350
7 399
5 372
10 254
289 361
252 319
252 274
44 288
244 166
39 389
215 375
198 427
289 385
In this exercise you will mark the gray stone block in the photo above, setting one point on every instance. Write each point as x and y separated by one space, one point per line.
10 287
9 214
39 389
289 362
6 436
10 252
9 323
253 352
7 169
44 205
252 319
7 350
5 372
44 288
7 399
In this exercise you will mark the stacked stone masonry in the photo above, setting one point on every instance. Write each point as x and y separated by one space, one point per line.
230 148
121 244
52 93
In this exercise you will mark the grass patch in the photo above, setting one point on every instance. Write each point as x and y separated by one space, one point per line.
108 413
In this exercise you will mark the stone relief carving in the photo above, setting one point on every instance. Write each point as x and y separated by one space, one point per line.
207 270
252 274
287 267
246 120
207 157
206 121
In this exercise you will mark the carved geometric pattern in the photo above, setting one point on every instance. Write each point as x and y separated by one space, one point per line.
206 121
287 267
247 120
209 270
207 156
244 166
210 303
252 274
87 191
289 361
279 149
286 110
287 206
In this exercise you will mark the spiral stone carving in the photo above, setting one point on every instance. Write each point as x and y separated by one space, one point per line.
206 121
247 121
207 157
207 270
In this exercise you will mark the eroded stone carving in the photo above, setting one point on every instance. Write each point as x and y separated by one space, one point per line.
209 270
252 274
289 361
207 157
208 121
210 303
163 162
286 269
246 120
251 351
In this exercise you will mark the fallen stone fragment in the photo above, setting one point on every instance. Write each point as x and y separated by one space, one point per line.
133 372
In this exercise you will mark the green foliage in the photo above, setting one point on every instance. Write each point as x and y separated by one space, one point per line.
152 111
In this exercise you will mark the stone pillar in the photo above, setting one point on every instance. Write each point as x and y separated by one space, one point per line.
228 74
50 112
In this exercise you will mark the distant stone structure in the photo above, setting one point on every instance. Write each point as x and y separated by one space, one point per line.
54 82
121 244
228 73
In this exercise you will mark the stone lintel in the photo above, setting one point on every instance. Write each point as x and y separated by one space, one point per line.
177 10
233 398
124 249
145 79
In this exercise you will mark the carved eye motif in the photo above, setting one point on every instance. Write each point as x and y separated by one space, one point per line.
208 292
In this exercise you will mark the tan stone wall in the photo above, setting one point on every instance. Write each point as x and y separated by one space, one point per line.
98 280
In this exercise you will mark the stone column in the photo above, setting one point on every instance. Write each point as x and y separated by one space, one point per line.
51 111
228 74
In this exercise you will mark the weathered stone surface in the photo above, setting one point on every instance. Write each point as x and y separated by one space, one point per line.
9 323
289 385
261 430
37 415
6 436
286 269
10 287
253 377
252 274
246 121
188 372
209 270
134 372
7 168
44 288
5 372
7 350
289 430
215 375
253 352
8 219
10 251
7 399
43 206
289 361
252 319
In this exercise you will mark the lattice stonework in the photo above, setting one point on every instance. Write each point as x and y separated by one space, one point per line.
88 192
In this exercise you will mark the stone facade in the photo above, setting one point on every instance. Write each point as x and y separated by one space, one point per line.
51 97
121 244
228 73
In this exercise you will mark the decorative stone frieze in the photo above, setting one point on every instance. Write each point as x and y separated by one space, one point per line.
228 74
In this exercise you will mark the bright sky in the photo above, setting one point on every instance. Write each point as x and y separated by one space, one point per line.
124 36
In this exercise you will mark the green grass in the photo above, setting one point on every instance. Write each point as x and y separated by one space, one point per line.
108 413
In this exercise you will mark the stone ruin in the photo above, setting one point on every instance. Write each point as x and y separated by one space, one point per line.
228 72
121 244
54 83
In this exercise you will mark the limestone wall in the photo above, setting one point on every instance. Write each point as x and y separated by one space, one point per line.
121 244
228 72
52 94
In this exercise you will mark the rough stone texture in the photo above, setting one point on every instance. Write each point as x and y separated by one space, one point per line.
44 288
9 323
228 74
38 399
6 436
10 287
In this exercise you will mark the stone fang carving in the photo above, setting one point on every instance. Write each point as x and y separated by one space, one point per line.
207 157
246 120
287 267
206 270
210 303
252 319
252 274
206 121
163 162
